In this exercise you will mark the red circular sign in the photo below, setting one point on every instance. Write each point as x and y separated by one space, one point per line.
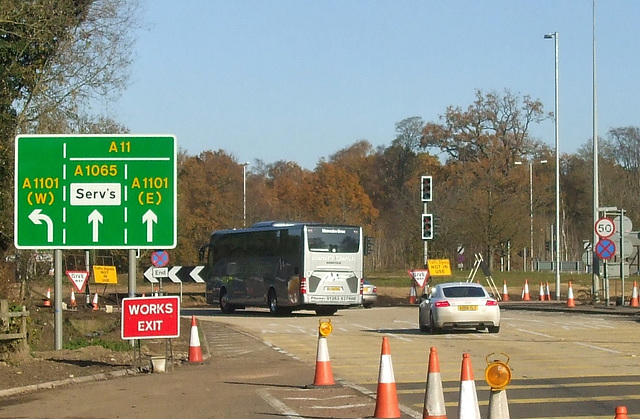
160 258
605 227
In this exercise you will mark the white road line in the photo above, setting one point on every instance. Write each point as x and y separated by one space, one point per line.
597 347
535 333
277 404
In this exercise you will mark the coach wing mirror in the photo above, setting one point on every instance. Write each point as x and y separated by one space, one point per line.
201 252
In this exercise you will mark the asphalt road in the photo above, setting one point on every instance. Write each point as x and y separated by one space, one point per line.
564 365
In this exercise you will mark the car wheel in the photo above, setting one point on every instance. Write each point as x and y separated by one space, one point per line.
494 329
225 307
432 325
367 305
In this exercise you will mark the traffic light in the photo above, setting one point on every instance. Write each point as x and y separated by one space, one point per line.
426 188
427 226
547 246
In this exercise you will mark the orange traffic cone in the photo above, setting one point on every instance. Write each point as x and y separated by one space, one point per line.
505 293
570 300
468 407
95 302
195 352
541 293
412 294
547 293
621 413
386 398
525 294
72 302
47 300
324 374
434 396
634 295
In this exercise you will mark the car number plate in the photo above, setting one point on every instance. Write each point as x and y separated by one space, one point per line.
333 288
467 308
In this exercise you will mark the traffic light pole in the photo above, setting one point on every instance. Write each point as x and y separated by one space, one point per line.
425 242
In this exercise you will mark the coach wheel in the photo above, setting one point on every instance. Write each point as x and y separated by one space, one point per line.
273 302
225 307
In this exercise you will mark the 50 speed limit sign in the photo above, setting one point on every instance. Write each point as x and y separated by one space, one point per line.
605 227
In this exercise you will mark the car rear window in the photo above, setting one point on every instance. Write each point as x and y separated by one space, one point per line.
462 292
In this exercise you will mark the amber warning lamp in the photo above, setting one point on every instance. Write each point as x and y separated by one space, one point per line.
325 327
497 374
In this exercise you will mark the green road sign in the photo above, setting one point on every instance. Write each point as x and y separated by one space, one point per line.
95 191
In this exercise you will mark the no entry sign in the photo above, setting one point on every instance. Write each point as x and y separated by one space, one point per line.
150 317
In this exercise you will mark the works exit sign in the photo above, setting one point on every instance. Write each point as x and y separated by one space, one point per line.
95 191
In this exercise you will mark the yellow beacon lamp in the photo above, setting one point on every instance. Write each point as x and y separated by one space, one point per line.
497 374
325 327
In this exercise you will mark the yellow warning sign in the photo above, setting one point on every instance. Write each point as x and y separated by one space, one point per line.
105 274
439 267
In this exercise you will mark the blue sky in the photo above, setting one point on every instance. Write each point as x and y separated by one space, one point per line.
299 80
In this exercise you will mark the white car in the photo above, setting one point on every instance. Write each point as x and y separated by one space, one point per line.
458 305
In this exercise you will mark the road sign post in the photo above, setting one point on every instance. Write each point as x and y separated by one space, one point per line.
95 191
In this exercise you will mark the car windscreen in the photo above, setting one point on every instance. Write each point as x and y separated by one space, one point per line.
333 239
463 292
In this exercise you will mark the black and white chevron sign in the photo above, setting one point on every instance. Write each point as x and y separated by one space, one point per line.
185 273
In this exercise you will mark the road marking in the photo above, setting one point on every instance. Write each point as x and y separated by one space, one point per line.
277 404
597 347
536 333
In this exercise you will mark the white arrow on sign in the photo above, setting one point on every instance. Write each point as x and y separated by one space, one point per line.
95 218
172 274
195 274
149 218
149 275
37 217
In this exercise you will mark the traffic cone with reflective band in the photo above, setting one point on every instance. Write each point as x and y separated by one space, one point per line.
195 352
47 300
468 407
72 301
634 295
541 293
570 301
525 293
621 413
95 302
386 397
324 373
505 293
412 294
547 293
498 405
434 395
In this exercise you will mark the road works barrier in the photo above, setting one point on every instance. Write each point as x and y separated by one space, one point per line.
96 307
47 299
324 373
386 397
468 398
434 407
195 352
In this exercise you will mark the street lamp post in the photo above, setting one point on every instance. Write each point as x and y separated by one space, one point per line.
244 194
554 36
530 208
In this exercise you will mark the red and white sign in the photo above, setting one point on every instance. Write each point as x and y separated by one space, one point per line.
78 278
605 227
150 317
419 275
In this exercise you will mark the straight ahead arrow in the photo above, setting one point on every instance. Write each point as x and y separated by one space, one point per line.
95 218
149 218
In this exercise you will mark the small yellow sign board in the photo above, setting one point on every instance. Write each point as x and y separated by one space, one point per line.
439 267
105 274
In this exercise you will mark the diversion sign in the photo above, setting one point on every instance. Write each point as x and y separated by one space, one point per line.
150 317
